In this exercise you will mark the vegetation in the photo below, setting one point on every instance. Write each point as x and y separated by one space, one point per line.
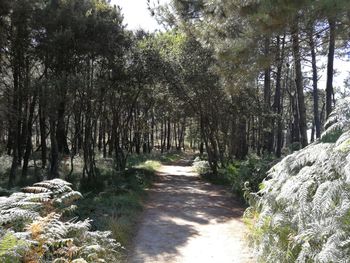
305 209
239 174
117 207
266 56
220 80
114 209
36 228
84 100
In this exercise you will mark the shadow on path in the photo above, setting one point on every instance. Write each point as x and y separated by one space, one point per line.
187 219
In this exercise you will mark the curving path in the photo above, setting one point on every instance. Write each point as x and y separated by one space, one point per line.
189 220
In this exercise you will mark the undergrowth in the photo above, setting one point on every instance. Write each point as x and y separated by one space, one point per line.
237 173
118 206
36 225
303 212
113 201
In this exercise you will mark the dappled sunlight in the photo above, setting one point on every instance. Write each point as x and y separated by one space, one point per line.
189 220
233 117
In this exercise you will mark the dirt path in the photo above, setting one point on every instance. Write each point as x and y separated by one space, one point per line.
189 220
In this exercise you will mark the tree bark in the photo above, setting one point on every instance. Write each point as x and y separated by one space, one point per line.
61 135
268 121
29 145
314 83
242 149
42 124
168 145
277 100
331 48
299 84
54 160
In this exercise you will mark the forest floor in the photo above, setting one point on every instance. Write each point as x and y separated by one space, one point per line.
189 220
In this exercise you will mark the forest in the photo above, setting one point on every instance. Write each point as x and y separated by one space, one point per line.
253 94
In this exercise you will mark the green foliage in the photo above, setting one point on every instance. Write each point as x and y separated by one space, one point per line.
302 213
295 146
344 146
170 157
119 205
91 184
167 43
253 170
337 122
153 159
149 165
331 137
122 214
36 227
201 166
5 164
11 248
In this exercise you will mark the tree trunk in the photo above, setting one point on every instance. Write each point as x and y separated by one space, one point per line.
152 132
314 83
61 135
268 121
329 87
29 145
168 145
100 132
277 100
16 123
299 84
242 149
54 160
42 123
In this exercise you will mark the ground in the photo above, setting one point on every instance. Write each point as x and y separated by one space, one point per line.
189 220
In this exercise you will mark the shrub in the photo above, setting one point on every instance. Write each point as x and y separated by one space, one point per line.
236 174
201 166
35 227
303 212
252 171
117 208
11 248
94 185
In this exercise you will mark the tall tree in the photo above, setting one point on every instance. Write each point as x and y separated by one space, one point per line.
314 81
299 83
330 62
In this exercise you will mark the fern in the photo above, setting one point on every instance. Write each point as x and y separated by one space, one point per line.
303 212
32 228
12 248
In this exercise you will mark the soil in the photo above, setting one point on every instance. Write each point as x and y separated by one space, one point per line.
188 220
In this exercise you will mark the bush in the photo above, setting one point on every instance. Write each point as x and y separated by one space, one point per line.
36 227
201 166
303 212
236 174
11 248
135 160
118 206
95 185
251 171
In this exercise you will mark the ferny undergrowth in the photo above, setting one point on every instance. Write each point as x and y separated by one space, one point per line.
35 226
302 214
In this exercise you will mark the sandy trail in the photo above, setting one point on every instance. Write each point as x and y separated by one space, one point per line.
187 220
